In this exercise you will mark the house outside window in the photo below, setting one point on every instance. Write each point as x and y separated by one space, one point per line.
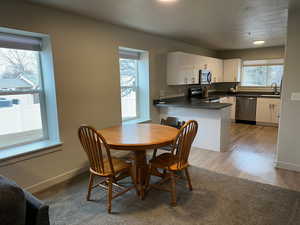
20 88
26 105
134 84
262 73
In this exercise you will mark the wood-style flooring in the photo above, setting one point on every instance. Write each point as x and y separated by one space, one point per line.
250 156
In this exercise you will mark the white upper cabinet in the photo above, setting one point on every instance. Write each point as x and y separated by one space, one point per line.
232 70
183 68
215 66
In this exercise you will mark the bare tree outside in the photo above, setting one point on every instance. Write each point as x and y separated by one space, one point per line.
20 108
20 64
128 70
129 75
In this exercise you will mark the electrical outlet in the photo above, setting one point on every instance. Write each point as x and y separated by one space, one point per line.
295 96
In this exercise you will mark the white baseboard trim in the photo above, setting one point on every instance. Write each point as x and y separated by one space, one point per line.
56 180
287 166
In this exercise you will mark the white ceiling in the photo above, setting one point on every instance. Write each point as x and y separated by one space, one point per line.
216 24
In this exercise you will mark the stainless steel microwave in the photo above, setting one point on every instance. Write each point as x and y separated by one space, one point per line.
205 77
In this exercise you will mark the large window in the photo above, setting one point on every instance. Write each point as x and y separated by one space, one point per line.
262 73
134 78
23 99
129 88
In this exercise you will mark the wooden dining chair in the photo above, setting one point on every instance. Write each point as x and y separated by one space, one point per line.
175 161
172 122
102 164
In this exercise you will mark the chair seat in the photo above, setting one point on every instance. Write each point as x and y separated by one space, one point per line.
118 164
167 161
167 148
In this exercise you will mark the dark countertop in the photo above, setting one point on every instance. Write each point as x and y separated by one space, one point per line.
194 104
204 103
244 94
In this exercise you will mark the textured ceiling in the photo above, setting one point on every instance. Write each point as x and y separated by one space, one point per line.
216 24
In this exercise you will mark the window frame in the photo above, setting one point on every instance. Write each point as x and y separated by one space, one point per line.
47 97
137 102
43 116
256 65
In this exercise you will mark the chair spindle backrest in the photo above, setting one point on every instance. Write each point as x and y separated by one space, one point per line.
183 142
94 144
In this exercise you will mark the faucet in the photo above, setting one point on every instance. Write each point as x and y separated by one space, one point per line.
275 88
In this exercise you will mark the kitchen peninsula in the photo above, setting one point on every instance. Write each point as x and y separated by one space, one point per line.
213 119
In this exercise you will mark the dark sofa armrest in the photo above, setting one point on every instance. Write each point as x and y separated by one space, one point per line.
37 213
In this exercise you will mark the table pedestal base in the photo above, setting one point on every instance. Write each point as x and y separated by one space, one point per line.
140 170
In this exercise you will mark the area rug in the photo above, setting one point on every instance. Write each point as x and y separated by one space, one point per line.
216 200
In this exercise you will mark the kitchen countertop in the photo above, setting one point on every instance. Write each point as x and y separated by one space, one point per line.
194 103
244 94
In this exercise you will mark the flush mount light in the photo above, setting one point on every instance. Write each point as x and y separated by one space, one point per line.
167 1
258 42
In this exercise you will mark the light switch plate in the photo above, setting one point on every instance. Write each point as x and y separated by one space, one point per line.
295 96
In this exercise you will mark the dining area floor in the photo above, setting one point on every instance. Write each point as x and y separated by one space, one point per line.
227 189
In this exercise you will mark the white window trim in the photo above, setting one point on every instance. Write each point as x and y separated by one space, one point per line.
23 152
143 95
143 92
48 103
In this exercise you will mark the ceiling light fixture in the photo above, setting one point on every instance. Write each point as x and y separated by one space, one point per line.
258 42
167 1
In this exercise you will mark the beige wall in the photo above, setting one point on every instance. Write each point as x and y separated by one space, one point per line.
289 137
253 54
87 79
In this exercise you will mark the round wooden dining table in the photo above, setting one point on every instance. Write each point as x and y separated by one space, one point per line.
139 138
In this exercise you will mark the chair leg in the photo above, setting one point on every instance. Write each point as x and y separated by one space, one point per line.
173 189
109 195
141 188
148 176
154 153
134 181
188 179
91 182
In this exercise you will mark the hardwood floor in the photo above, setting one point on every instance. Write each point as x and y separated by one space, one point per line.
251 156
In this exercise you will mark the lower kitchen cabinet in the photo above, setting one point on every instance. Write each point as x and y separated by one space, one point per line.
267 111
230 100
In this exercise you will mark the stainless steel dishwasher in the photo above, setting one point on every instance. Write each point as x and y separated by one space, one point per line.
246 109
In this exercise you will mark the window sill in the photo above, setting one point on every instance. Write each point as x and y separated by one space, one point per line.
257 88
20 153
139 120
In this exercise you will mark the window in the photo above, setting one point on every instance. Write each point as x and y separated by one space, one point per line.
24 101
129 88
134 82
262 73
